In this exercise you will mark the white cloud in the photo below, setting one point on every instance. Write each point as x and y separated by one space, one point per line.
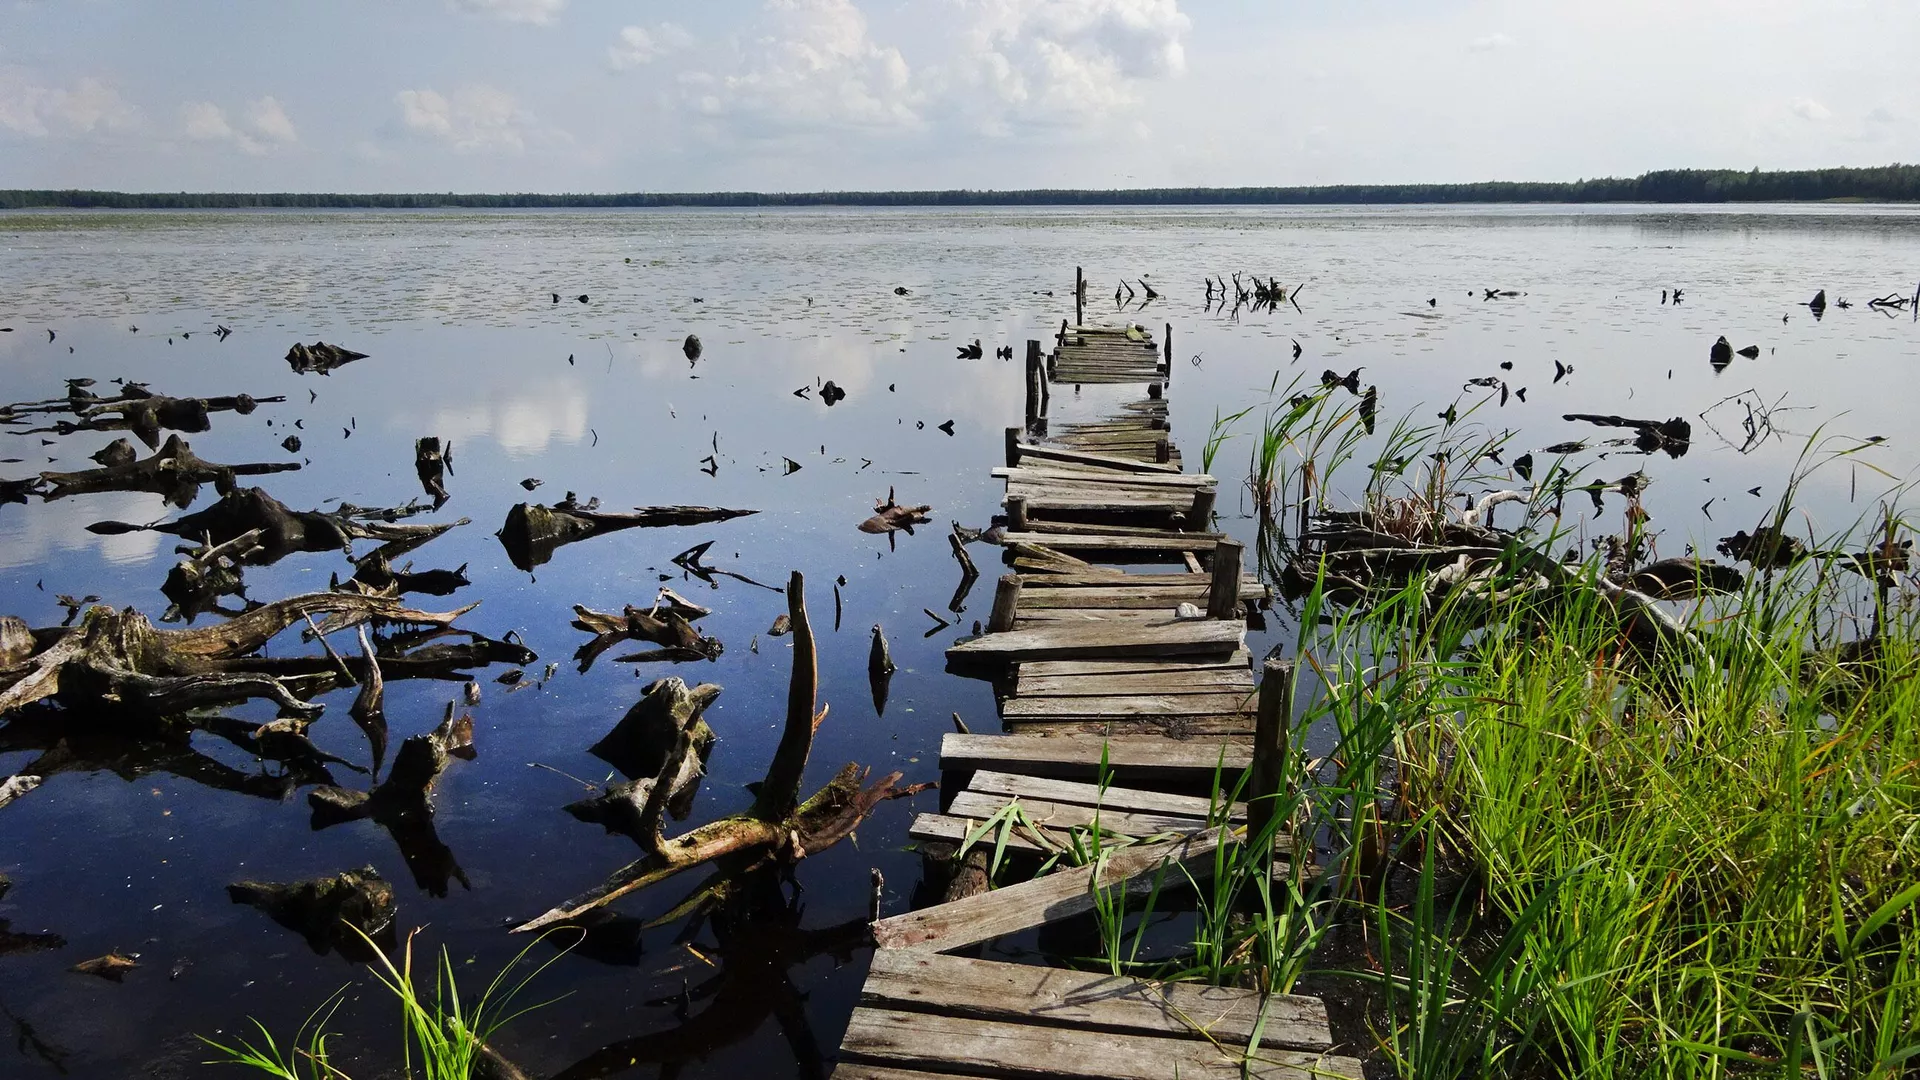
637 45
1490 43
266 127
474 118
539 12
87 107
817 67
1062 61
1809 109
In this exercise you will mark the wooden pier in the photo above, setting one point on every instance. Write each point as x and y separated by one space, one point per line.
1143 674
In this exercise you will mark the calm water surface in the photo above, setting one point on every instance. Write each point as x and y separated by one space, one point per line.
597 398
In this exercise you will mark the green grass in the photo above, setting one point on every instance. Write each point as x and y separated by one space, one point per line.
443 1036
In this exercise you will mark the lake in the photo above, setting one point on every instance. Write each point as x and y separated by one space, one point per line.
131 852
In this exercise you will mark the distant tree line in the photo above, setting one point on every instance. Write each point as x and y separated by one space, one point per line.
1886 183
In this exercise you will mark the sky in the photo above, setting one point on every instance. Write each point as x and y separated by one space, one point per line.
803 95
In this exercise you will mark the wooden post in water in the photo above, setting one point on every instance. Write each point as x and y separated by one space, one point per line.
1034 381
1223 591
1013 447
1168 343
1163 452
1079 297
1202 511
1153 390
1272 744
1017 513
1005 598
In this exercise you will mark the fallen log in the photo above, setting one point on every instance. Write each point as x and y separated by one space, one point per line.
282 531
533 532
660 744
668 627
329 912
320 358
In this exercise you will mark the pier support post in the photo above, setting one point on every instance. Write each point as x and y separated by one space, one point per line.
1272 743
1223 591
1017 513
1013 447
1153 390
1034 381
1163 452
1079 297
1168 344
1005 598
1201 513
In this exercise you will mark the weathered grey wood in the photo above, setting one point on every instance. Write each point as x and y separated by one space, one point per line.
1239 660
1059 895
1025 451
1213 681
1239 725
1022 993
1084 528
1137 581
1044 505
1006 601
1041 557
1272 742
1017 513
948 829
1051 815
1040 617
1067 471
1223 592
989 1048
1132 757
1105 641
1117 797
1164 541
1075 708
1120 597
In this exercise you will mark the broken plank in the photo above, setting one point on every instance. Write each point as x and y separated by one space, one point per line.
1213 681
1101 706
1064 472
1120 798
1165 727
1050 815
1106 641
1240 660
1153 540
1053 616
1130 757
1049 453
1119 597
1136 581
914 1040
1059 895
989 990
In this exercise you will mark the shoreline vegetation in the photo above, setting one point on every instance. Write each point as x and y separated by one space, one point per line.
1886 183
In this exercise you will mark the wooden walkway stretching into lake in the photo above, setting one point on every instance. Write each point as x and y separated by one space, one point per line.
1146 671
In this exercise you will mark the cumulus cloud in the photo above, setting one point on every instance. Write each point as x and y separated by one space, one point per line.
539 12
638 45
265 126
88 106
1809 109
474 118
1063 61
815 66
1490 43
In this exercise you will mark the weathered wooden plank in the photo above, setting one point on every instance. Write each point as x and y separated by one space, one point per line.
1021 993
989 1048
1137 824
1123 596
1091 528
1153 541
1059 895
1212 681
1165 727
1051 453
1131 757
1040 472
1117 797
1106 641
1240 659
949 829
1099 504
1135 581
1039 617
1077 708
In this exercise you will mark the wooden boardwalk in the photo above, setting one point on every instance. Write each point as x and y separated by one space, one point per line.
1147 673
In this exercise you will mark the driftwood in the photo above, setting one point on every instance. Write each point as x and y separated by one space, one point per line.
1674 436
326 911
667 624
209 572
283 531
431 464
889 516
118 660
533 532
661 745
403 805
145 413
779 828
174 471
320 358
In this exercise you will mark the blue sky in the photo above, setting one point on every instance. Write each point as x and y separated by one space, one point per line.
618 95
